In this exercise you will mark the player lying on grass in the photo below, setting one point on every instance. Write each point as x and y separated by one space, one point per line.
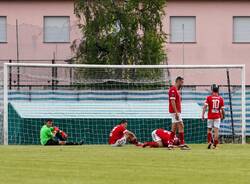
119 135
216 113
161 138
50 135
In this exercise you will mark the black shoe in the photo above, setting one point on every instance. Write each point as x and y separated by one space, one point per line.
215 146
209 146
81 142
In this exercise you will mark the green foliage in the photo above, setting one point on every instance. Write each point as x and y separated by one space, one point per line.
120 32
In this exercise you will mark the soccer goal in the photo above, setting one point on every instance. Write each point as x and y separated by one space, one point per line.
86 101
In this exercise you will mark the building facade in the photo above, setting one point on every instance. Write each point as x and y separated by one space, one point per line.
46 29
200 31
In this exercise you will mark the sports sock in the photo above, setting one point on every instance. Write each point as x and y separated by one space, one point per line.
209 137
172 136
181 137
216 142
134 141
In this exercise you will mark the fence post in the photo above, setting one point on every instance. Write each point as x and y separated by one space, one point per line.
53 75
10 75
230 104
30 92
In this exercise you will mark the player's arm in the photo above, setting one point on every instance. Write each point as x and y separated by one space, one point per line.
172 97
222 109
50 132
174 108
222 113
129 133
204 109
131 138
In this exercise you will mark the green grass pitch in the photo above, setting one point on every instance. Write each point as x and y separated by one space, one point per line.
126 165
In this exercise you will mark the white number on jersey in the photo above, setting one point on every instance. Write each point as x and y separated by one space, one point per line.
216 105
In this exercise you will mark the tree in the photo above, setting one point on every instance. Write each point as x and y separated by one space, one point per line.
120 32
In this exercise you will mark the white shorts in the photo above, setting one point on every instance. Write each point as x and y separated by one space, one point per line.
213 123
174 120
120 142
155 137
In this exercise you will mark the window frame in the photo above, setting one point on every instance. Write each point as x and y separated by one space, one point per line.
55 16
6 34
233 32
185 42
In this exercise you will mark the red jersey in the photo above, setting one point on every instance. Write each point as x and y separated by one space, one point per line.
164 135
116 133
215 103
174 94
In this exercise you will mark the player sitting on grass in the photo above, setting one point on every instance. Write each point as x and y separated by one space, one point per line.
161 138
50 135
215 104
119 135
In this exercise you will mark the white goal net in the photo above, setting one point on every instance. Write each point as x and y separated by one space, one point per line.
86 101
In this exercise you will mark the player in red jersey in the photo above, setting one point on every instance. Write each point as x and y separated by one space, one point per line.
119 135
175 112
161 138
216 112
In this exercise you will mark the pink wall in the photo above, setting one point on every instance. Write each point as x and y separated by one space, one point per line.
30 17
214 35
214 23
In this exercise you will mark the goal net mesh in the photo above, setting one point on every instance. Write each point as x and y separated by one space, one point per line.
88 102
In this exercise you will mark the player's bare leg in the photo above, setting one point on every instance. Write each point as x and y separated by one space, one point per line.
153 144
216 137
209 138
132 139
183 146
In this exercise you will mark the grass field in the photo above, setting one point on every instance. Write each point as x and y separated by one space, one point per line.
127 165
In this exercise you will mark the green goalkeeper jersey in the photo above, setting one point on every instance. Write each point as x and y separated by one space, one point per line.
46 134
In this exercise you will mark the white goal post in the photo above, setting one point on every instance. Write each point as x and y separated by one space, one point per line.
7 67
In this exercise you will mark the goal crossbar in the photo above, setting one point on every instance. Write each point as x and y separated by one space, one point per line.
125 66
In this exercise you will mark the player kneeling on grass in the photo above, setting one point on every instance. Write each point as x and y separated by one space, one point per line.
161 138
119 135
51 136
215 104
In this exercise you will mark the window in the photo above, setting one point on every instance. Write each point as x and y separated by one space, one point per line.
3 29
241 29
183 29
56 29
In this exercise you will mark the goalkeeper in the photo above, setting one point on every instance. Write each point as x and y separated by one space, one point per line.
51 136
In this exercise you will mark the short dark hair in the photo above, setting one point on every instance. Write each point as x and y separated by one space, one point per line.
123 121
179 78
215 88
49 120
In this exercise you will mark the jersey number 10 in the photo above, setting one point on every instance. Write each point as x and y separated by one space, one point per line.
216 105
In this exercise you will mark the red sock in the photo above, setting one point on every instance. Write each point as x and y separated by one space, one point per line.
134 141
152 144
209 137
181 137
172 136
216 142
